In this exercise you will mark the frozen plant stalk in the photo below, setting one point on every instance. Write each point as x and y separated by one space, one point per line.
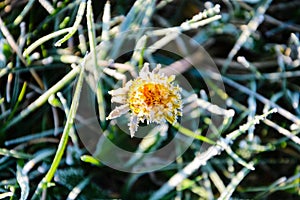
151 96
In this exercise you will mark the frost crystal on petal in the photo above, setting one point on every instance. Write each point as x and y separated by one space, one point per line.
118 111
133 125
151 96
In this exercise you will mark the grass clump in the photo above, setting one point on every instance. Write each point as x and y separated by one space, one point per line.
240 114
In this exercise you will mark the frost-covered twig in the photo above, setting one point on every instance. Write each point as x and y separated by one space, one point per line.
233 184
202 157
250 28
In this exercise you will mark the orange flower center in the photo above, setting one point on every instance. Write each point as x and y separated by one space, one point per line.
149 94
153 93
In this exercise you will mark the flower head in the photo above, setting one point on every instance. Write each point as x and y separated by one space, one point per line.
151 96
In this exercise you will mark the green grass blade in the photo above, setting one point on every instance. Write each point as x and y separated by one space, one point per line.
23 181
40 41
90 159
20 18
92 42
75 26
42 99
13 153
78 189
65 136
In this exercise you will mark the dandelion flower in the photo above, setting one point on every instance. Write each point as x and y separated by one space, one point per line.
151 96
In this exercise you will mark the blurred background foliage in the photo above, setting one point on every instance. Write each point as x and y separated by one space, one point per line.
266 62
